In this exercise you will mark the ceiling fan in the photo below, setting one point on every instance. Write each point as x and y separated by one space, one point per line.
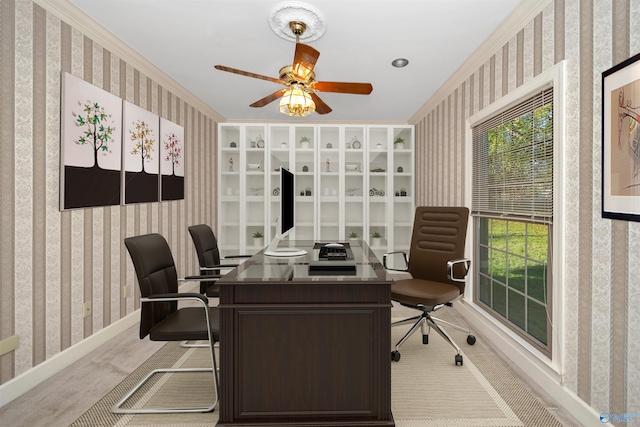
300 79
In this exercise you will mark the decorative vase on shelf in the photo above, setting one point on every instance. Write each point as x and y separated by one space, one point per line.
283 144
305 142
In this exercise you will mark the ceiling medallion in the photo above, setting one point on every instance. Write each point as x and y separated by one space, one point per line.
292 11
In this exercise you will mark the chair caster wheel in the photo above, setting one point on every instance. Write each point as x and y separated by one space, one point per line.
471 340
458 359
395 356
425 339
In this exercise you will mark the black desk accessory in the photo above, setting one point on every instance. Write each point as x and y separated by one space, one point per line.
332 259
332 268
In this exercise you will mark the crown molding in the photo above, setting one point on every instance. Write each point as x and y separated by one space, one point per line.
524 13
76 18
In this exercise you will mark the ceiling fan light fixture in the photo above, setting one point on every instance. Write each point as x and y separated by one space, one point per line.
296 102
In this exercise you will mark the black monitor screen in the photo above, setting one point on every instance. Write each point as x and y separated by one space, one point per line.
287 201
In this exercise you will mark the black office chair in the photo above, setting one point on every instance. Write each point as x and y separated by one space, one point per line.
160 317
208 253
438 272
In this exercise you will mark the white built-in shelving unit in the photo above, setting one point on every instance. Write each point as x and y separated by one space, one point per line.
349 180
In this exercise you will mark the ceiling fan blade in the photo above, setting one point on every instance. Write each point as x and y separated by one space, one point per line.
321 107
304 60
341 87
248 74
268 99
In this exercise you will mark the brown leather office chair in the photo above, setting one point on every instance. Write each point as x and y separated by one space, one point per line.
208 253
438 272
160 317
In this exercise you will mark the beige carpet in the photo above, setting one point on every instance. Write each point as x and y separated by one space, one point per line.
427 389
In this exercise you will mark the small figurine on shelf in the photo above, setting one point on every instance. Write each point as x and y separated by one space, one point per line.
230 164
305 168
307 191
233 144
328 165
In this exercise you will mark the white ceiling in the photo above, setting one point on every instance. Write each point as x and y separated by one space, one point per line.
186 38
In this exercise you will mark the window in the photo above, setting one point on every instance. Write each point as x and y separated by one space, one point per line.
512 205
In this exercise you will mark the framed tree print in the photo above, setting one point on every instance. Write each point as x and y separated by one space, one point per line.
141 154
171 160
621 141
90 145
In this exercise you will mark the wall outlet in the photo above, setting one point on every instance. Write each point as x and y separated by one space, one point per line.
126 291
86 309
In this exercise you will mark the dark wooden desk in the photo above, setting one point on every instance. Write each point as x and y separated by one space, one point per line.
305 350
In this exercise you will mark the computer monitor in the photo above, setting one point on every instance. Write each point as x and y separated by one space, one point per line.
286 220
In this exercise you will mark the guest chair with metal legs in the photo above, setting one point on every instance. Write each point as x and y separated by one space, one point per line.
208 253
211 269
160 317
438 272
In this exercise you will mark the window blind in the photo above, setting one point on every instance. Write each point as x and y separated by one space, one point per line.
513 161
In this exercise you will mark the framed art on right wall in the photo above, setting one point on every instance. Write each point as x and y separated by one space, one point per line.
621 141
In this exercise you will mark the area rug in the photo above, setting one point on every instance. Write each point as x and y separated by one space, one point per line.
428 389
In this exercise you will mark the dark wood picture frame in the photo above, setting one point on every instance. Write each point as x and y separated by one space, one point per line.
621 141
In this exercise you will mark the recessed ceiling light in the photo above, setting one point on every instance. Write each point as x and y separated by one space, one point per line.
400 62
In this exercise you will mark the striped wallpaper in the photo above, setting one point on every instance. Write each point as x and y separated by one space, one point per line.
51 262
602 271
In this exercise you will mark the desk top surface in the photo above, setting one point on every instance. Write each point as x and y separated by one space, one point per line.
296 269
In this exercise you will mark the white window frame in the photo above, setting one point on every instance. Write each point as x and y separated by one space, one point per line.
514 346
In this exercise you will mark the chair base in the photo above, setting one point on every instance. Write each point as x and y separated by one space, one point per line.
426 321
118 409
186 344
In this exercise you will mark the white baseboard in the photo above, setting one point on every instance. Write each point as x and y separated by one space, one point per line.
543 376
34 376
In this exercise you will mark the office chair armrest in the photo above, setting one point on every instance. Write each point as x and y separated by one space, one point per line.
465 261
204 278
404 257
218 267
176 297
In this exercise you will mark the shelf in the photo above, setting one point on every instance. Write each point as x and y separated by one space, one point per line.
340 202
